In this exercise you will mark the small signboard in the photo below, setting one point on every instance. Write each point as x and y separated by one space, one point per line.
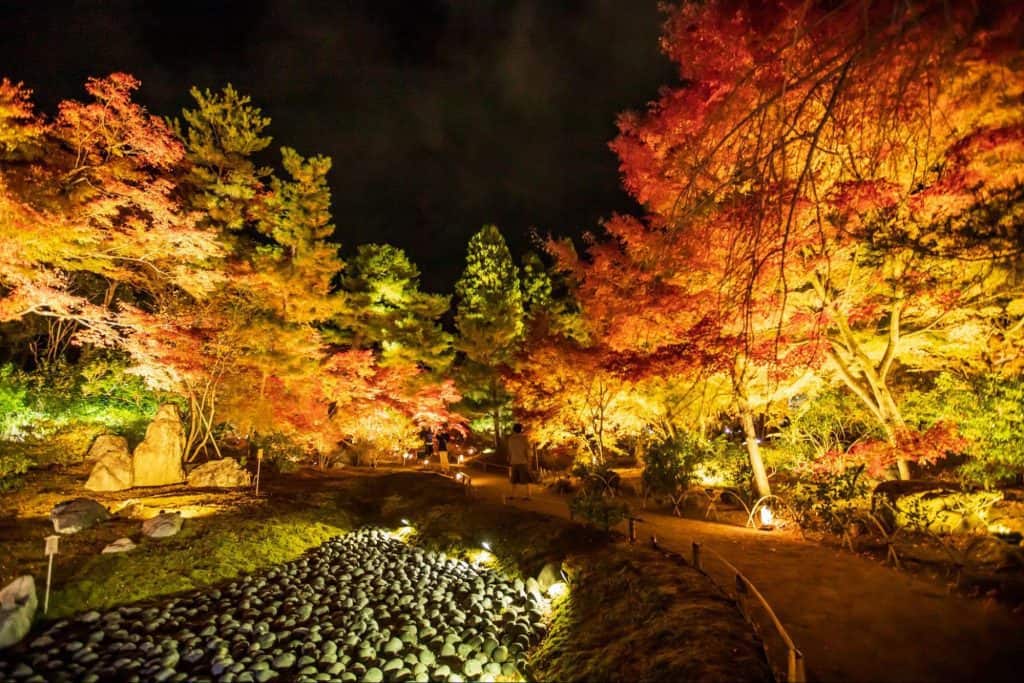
51 550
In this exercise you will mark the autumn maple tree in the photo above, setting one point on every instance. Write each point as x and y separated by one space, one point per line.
214 278
811 196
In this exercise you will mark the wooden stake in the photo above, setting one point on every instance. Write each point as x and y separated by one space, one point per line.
259 461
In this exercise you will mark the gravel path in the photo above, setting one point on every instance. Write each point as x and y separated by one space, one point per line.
853 618
363 606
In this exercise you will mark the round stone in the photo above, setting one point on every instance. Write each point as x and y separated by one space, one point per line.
285 660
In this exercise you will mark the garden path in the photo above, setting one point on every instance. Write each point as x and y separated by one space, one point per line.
852 617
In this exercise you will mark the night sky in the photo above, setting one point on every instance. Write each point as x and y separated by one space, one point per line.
440 116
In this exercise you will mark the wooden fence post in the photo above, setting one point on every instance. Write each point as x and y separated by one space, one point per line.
796 672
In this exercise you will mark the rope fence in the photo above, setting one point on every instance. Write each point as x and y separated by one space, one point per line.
744 587
487 465
795 664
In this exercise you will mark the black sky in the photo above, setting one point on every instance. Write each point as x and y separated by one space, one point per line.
440 115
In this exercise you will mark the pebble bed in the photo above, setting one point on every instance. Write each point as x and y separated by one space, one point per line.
361 607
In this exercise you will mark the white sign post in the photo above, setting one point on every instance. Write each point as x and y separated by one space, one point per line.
51 550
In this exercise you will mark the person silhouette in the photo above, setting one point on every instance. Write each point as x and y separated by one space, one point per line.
518 447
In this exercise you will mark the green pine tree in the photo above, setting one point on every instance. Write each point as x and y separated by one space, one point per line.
490 322
390 312
221 135
537 287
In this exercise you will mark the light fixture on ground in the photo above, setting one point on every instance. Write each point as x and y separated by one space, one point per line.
767 518
403 532
482 555
557 590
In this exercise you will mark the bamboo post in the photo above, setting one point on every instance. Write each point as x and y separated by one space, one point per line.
696 556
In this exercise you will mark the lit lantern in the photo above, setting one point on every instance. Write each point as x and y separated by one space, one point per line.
767 518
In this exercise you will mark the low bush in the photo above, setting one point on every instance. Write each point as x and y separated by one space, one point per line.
599 509
829 501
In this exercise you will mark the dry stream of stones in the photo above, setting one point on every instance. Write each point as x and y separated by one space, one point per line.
361 607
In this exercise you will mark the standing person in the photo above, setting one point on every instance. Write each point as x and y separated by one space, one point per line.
519 458
441 442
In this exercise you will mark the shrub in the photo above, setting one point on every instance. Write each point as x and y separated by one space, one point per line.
599 509
280 452
987 412
14 462
829 500
601 479
670 465
727 464
829 422
15 412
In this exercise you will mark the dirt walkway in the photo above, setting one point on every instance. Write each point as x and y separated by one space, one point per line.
853 618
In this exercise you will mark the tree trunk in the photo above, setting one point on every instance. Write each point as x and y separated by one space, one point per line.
874 393
871 385
496 416
761 486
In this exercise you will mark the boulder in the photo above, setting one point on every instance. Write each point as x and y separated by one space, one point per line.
17 607
157 460
163 525
113 468
121 545
225 473
549 575
1006 518
942 511
71 516
107 443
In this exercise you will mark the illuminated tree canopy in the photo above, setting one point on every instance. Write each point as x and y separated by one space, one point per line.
831 211
213 277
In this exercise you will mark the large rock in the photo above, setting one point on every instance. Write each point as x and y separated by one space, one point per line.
113 468
121 545
71 516
17 607
941 509
163 525
1006 518
225 473
549 575
157 459
104 444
